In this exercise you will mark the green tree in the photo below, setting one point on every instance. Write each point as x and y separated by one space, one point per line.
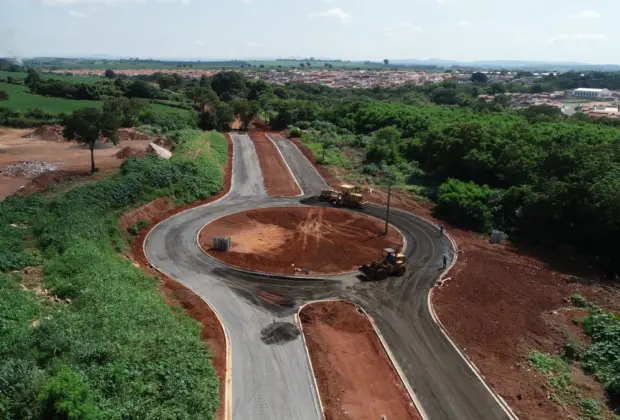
87 125
32 79
229 81
467 204
4 96
127 110
225 114
246 110
141 89
386 61
479 77
109 73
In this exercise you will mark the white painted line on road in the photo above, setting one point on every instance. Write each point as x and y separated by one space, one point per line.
287 166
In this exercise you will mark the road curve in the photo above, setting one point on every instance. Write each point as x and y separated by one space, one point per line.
272 380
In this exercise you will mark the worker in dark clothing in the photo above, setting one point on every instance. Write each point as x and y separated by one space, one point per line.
441 229
445 260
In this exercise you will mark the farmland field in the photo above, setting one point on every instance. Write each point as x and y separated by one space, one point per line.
20 99
74 79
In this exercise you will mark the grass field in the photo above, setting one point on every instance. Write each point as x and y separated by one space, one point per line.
20 99
74 79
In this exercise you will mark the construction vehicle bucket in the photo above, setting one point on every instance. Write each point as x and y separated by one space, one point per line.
366 270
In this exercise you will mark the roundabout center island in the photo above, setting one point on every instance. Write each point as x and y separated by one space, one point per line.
299 240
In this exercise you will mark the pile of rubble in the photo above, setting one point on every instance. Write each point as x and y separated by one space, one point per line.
47 133
28 168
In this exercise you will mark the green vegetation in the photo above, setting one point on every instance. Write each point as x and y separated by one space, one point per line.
67 77
108 346
20 99
557 371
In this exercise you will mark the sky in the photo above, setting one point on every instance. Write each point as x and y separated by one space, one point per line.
465 30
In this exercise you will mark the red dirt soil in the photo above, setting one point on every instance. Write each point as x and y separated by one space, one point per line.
499 303
321 239
198 309
278 180
16 147
356 378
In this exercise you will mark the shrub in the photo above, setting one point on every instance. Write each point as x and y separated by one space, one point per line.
578 300
467 204
295 132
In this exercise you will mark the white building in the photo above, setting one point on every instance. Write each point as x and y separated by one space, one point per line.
592 93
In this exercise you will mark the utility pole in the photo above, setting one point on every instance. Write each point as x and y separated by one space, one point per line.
387 209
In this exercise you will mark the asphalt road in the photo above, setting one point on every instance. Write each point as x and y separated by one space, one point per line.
271 376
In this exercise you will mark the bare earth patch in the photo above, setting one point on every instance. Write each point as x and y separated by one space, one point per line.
356 378
322 239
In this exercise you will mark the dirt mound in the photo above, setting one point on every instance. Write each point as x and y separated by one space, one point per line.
278 240
355 377
47 133
28 168
129 151
129 134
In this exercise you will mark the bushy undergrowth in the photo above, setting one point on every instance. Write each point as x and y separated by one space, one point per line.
111 348
602 357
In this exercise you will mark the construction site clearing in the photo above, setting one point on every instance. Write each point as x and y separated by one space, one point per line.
321 240
340 339
26 154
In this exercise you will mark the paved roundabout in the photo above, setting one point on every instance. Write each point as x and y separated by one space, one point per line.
272 378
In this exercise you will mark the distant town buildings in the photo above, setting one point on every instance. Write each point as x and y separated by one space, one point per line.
588 93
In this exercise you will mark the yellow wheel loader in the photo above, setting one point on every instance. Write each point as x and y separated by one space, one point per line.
349 196
391 263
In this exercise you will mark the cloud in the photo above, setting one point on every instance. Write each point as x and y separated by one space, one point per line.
65 2
199 43
253 44
577 37
76 14
463 23
336 13
586 14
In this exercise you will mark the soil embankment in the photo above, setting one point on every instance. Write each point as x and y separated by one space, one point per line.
277 240
278 179
355 376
